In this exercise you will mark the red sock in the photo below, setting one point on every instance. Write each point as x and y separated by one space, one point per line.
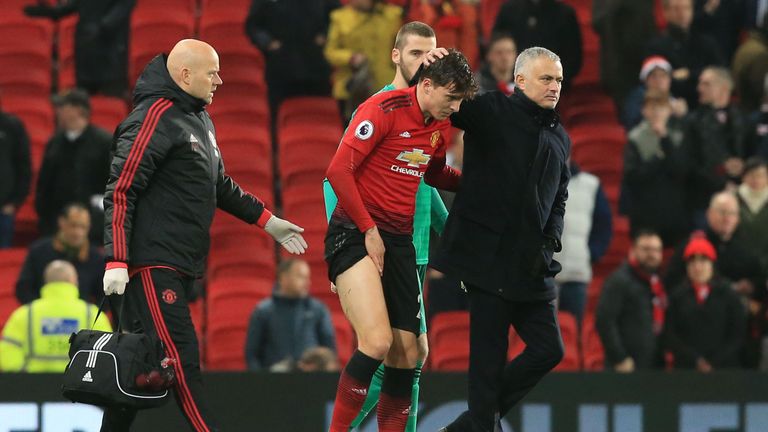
395 399
352 391
392 413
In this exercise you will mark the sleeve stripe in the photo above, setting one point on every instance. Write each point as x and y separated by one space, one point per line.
157 109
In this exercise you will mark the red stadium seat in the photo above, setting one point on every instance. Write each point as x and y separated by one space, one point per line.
303 111
592 347
37 115
245 146
107 112
180 7
449 341
237 8
224 29
153 33
66 46
227 112
25 74
11 261
345 337
570 332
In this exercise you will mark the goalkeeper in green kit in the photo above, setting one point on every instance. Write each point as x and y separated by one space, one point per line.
412 43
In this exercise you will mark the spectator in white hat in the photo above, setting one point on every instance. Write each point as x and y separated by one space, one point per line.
655 74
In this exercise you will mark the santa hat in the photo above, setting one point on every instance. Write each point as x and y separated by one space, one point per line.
652 63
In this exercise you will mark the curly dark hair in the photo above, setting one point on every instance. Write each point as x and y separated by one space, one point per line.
451 70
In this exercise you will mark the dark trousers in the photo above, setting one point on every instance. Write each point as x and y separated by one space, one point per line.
495 386
156 303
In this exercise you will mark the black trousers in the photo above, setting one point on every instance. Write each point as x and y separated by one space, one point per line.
495 386
156 304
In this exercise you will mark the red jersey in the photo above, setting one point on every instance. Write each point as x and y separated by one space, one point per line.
382 157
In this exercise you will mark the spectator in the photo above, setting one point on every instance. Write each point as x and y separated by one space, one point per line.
715 139
655 171
757 134
498 71
550 24
290 322
753 204
360 39
749 67
624 27
455 23
101 41
15 173
75 165
630 313
687 50
36 336
655 75
722 21
291 36
705 321
70 244
586 236
755 13
737 261
318 359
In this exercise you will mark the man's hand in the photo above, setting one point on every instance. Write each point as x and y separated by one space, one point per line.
432 56
274 45
115 280
626 366
375 247
287 234
702 365
8 209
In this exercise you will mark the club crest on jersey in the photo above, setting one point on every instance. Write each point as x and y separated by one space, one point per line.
414 158
364 130
169 296
434 138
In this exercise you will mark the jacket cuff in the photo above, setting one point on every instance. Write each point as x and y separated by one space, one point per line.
116 264
265 215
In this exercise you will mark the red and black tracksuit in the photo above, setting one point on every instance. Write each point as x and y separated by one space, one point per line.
166 181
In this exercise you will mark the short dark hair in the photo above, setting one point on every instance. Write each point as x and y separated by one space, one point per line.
415 28
67 209
499 36
753 163
75 97
286 265
453 69
643 232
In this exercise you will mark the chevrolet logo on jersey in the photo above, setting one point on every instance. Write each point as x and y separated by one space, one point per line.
414 158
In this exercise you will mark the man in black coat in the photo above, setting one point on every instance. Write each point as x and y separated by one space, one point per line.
550 24
75 165
505 224
291 35
15 173
101 41
630 314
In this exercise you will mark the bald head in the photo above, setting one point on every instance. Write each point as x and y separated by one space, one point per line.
194 67
723 214
60 271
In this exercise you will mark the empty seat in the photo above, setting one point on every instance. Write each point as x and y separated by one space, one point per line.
302 111
345 337
154 32
107 112
570 333
449 341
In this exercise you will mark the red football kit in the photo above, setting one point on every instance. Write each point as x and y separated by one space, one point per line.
383 155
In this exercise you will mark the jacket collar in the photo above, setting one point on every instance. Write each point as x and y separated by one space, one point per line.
59 290
542 116
155 82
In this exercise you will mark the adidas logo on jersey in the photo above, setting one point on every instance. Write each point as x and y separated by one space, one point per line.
405 134
87 377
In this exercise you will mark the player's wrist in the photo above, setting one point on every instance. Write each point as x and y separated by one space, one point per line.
116 265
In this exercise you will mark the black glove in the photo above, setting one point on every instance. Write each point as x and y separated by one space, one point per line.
551 243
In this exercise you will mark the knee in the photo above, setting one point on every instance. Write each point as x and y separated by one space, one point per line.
422 347
376 344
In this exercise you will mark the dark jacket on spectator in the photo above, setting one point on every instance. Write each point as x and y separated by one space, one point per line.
757 136
15 167
713 330
712 136
90 271
72 171
488 82
723 25
101 40
750 65
624 319
686 50
299 64
283 328
624 27
550 24
655 175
